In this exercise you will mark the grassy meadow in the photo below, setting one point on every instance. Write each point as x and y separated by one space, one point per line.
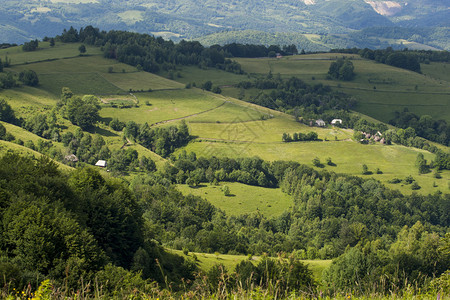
224 126
208 260
243 199
379 89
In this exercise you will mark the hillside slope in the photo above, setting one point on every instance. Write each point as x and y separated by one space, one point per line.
22 20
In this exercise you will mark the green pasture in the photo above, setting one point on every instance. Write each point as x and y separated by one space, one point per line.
379 89
243 199
261 131
22 134
207 260
438 71
23 97
393 161
138 81
79 83
191 74
6 147
229 113
45 52
381 105
94 75
164 105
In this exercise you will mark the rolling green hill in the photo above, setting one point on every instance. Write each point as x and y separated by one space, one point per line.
224 126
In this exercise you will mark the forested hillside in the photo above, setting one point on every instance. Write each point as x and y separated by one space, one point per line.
418 24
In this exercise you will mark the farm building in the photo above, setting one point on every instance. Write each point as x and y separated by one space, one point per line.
320 123
101 164
336 121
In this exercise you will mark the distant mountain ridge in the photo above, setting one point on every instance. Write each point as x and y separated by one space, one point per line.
28 19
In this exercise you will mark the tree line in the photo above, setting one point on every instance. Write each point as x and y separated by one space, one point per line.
96 227
328 208
295 96
149 53
424 126
299 137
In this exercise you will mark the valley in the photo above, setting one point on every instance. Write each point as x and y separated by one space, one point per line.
202 180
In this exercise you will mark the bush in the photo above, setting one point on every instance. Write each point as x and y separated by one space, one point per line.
29 77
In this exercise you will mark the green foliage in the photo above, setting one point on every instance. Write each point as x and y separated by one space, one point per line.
30 46
83 111
342 69
82 49
207 85
29 77
2 132
6 112
226 190
7 81
425 126
294 93
116 125
310 136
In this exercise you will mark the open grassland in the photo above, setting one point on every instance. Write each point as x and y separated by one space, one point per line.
90 75
6 147
394 161
262 131
379 89
243 199
165 105
229 113
382 104
228 127
24 97
439 71
45 52
138 81
206 261
192 74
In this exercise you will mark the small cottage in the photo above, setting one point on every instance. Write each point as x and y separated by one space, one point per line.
336 121
101 164
320 123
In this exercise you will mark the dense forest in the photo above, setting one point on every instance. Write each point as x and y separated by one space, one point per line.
98 228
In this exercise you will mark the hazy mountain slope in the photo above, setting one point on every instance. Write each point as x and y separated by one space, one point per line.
27 19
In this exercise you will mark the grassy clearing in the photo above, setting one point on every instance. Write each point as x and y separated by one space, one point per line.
191 74
22 97
394 88
24 151
45 52
94 75
229 113
393 161
165 105
438 71
382 105
243 199
85 83
262 131
206 261
141 81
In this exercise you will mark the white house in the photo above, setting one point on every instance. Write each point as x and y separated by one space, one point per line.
101 164
320 123
336 121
